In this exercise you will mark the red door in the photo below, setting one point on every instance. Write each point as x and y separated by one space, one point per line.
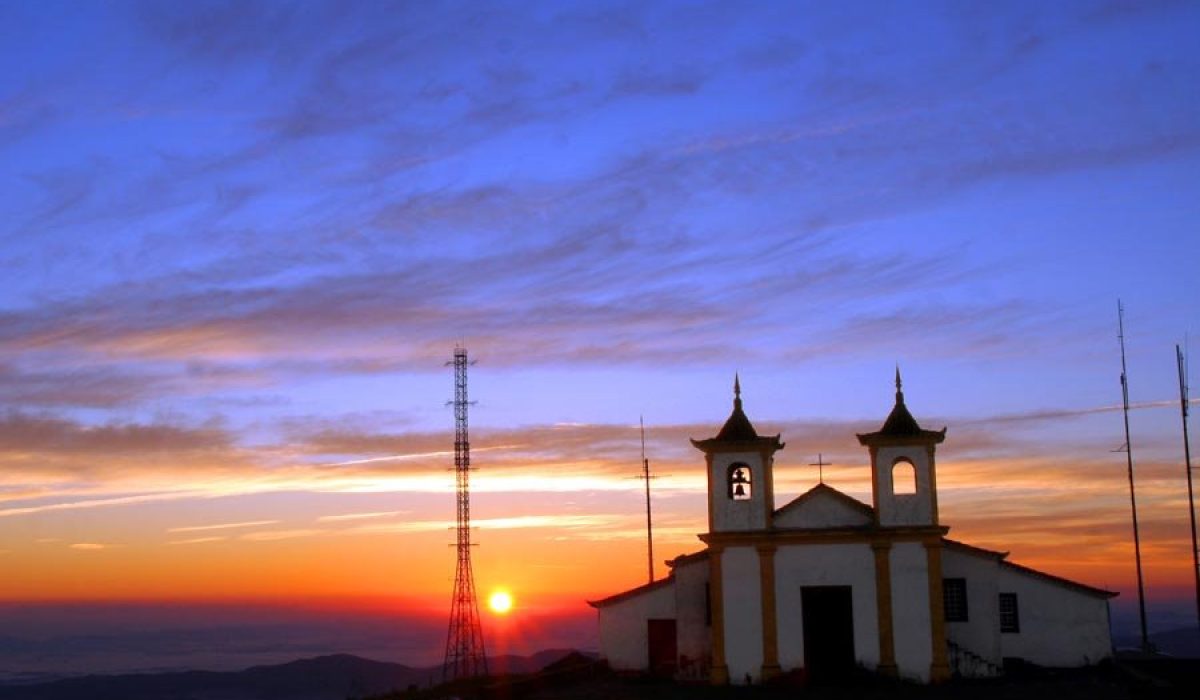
660 635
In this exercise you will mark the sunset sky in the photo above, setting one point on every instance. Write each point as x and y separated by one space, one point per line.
241 240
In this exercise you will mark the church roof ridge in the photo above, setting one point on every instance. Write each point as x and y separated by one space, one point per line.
633 592
972 549
1002 559
822 488
687 558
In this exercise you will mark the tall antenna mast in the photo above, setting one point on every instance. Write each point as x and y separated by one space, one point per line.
1181 360
649 529
465 657
1137 543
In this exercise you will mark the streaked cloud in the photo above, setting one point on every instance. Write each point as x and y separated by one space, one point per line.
198 540
223 526
272 535
360 516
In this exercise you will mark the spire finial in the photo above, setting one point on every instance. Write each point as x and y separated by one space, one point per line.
899 392
737 392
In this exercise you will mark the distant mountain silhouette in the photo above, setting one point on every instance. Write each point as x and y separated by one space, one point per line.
334 677
1183 643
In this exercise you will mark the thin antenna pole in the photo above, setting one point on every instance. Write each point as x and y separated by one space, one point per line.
649 529
1137 543
1181 361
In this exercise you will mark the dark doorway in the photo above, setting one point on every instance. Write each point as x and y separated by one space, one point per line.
660 635
828 631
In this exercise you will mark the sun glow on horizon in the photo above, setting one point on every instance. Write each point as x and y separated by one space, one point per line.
500 602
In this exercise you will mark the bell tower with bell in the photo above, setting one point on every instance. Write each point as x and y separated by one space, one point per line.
741 490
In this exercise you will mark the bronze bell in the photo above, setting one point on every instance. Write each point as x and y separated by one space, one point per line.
739 490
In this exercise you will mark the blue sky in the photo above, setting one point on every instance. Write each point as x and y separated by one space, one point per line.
242 239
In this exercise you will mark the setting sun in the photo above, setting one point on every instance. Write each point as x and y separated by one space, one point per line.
500 602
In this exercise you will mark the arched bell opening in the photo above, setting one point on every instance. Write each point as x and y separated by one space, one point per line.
740 483
904 478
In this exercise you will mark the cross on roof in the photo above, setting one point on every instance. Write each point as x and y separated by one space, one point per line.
820 464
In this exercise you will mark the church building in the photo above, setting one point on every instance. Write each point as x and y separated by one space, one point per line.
827 584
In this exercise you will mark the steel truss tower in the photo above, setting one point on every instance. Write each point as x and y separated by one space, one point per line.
465 657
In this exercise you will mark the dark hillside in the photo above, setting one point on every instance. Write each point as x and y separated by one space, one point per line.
582 679
335 677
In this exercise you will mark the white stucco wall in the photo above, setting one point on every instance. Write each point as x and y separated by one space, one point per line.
851 565
694 635
822 510
742 598
623 634
729 515
980 634
1060 625
910 610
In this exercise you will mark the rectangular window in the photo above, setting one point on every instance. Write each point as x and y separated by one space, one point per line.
954 597
1010 620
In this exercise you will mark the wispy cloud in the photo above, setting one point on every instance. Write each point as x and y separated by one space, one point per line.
360 516
97 503
199 540
223 526
1065 413
273 535
519 522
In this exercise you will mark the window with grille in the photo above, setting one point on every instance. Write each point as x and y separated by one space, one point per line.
954 597
1010 620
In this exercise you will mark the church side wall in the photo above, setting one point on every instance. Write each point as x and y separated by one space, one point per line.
693 630
623 629
851 565
743 614
1059 626
910 610
980 634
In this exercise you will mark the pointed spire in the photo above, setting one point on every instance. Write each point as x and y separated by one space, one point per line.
738 426
900 421
900 424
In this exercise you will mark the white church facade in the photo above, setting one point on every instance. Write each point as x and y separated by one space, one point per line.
826 583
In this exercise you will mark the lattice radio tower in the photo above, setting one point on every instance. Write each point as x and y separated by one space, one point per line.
465 657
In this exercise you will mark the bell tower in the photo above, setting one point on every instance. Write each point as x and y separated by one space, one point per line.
741 490
903 477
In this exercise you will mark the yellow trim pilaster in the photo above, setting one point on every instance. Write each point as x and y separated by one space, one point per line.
939 668
770 635
719 674
883 606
